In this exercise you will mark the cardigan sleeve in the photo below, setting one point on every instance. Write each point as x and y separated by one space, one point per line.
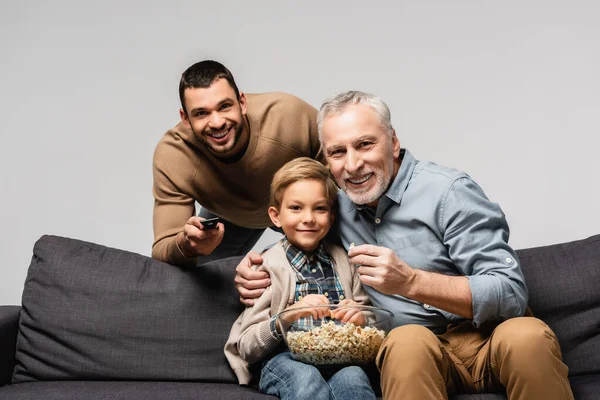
256 340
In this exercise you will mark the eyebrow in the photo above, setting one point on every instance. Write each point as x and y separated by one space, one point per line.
367 136
219 104
323 201
333 147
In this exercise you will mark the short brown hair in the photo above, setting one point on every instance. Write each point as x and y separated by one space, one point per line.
298 169
202 75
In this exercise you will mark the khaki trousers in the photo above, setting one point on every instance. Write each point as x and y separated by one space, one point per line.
519 355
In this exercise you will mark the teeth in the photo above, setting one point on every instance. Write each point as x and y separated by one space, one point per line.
219 135
360 180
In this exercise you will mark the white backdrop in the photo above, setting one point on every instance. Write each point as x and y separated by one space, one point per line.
507 91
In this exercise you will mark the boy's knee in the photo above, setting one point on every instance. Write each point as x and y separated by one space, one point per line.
355 373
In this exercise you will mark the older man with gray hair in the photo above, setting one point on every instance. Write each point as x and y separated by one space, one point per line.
433 249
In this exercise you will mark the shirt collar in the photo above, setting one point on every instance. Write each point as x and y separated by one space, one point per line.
400 182
298 258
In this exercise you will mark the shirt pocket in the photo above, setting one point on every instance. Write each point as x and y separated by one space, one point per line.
415 239
421 250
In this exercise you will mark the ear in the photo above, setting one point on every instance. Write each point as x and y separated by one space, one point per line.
184 118
274 215
243 103
395 145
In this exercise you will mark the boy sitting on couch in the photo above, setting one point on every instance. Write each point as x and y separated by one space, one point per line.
304 271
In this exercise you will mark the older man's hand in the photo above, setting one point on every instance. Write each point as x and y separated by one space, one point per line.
380 268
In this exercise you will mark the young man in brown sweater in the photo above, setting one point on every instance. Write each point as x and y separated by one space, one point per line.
223 155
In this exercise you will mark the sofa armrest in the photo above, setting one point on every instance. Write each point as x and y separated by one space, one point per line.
9 326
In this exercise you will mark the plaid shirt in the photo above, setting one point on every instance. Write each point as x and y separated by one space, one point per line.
314 273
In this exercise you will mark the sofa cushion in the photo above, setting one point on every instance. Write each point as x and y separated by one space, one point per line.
564 291
9 323
70 390
586 387
95 313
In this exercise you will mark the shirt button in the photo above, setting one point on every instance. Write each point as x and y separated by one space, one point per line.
313 270
426 306
509 260
326 294
342 297
299 297
377 221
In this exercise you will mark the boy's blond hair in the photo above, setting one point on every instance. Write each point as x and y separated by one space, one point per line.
298 169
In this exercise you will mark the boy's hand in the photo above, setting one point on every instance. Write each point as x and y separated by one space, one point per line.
307 301
349 314
249 283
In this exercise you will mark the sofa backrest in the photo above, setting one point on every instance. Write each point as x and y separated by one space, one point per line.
95 313
564 291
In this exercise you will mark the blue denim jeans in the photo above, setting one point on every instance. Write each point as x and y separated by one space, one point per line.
294 380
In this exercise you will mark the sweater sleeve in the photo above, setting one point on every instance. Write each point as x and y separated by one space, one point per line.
358 292
172 207
256 340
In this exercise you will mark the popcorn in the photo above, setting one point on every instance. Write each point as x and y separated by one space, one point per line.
336 344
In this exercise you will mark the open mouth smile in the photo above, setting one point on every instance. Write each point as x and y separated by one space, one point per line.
220 134
360 180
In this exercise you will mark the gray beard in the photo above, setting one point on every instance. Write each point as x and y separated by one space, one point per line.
381 185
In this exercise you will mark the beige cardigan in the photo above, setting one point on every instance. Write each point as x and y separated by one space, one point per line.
251 339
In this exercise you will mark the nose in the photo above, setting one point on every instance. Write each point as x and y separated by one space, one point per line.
216 120
308 217
353 162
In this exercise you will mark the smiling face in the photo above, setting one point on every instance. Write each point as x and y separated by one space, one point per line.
216 117
305 215
362 156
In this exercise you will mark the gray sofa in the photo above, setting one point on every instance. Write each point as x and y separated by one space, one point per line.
102 323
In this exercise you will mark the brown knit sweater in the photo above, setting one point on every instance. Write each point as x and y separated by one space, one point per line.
282 127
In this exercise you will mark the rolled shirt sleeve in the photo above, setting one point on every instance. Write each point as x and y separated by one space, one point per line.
475 232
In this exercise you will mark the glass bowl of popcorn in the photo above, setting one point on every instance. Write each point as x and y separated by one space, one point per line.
335 334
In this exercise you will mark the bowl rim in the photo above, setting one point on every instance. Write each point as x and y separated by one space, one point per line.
389 313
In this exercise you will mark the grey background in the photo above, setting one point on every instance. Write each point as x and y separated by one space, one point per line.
507 91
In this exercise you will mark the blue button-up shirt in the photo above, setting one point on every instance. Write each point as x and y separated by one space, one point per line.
438 219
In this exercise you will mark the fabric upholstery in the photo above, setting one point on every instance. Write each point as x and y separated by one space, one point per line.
129 390
586 387
9 319
564 291
96 390
102 323
95 313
